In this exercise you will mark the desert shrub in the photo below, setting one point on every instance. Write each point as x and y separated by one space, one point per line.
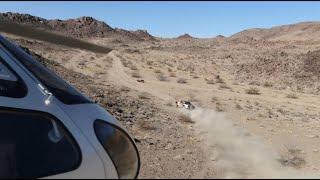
172 74
146 125
157 71
253 91
144 95
219 107
267 84
127 63
161 77
255 83
292 96
136 74
214 99
238 106
219 79
133 67
186 119
124 89
182 81
224 86
210 81
282 111
293 158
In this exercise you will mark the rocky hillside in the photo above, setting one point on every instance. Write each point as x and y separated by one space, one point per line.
185 36
83 27
298 32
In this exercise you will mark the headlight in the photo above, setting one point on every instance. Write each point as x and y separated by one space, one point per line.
120 148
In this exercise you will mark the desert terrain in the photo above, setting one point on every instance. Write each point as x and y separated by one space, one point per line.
256 95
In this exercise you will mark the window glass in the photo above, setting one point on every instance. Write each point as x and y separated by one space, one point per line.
28 149
60 88
10 84
120 148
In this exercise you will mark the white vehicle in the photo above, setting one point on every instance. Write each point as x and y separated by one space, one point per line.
185 104
50 130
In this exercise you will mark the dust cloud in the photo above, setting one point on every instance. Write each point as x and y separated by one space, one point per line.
235 153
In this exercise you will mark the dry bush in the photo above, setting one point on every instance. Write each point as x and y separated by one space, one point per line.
195 77
219 107
136 74
133 67
146 125
162 77
267 84
254 83
99 55
169 70
293 158
144 95
127 63
292 96
210 81
281 111
157 71
124 89
182 81
253 91
186 119
238 106
219 80
172 74
214 99
150 63
224 86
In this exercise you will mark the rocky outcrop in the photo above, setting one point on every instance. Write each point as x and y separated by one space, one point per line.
83 27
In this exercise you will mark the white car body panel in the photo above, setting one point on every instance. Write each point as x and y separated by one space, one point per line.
95 162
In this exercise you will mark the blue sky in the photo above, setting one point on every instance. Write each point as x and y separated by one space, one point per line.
170 19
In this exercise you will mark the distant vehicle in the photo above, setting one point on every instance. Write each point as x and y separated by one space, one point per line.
48 129
185 104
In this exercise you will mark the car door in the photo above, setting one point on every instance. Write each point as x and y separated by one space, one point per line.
37 139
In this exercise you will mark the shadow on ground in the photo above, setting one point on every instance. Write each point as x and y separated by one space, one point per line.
30 32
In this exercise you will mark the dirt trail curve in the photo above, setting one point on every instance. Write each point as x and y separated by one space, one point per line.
117 74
